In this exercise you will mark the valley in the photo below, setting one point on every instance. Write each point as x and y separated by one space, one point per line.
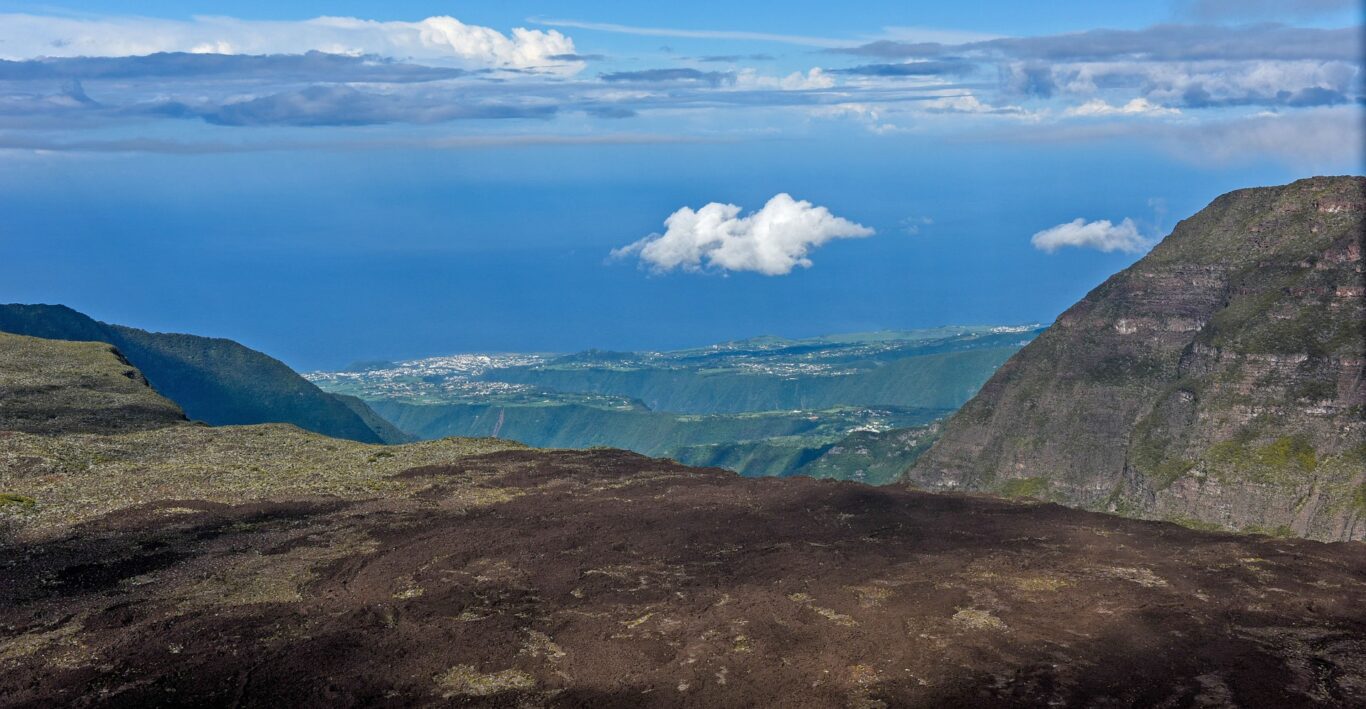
762 407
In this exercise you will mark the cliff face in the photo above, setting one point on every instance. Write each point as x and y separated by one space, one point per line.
1218 381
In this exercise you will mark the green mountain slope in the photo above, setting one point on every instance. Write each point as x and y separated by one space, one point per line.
217 381
873 457
637 429
1218 381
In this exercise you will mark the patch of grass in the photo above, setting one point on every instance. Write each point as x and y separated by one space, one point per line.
9 499
1197 524
1171 470
835 616
81 476
466 681
1283 460
1025 487
976 619
1359 498
1280 531
1040 583
1141 576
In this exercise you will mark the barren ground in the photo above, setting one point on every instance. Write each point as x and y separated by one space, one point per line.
602 578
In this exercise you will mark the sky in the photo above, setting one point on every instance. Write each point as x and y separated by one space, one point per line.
338 181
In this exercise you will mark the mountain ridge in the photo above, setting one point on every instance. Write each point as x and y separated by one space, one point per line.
215 380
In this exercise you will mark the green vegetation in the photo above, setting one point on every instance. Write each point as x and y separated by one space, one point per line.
1284 459
778 456
81 431
751 441
466 681
1282 531
215 381
941 380
1192 523
763 406
873 457
12 500
80 476
1025 487
1171 470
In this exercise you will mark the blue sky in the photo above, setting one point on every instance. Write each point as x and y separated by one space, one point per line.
390 185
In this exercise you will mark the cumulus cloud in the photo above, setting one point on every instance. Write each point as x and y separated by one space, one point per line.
815 78
1101 235
771 241
439 40
968 103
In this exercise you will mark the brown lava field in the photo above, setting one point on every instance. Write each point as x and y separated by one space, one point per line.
602 578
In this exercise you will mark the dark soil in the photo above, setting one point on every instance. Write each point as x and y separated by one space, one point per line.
602 578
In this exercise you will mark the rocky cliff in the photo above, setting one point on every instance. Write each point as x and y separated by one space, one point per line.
1216 382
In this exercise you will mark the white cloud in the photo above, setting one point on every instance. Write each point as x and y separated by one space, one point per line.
1100 235
440 40
816 78
771 241
1214 82
912 225
968 103
869 115
1136 107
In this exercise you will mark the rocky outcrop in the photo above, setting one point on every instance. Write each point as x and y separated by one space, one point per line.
1217 382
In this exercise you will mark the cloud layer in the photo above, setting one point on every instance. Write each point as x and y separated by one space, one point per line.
441 40
1101 235
1275 88
1196 66
771 241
